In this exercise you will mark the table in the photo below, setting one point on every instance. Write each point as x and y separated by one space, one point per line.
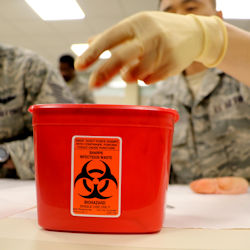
187 226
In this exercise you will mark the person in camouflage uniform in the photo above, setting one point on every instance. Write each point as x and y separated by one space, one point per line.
77 84
212 137
25 79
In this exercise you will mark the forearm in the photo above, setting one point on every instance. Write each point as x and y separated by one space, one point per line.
237 58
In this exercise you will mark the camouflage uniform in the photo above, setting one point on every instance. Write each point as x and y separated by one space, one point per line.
25 79
80 90
212 137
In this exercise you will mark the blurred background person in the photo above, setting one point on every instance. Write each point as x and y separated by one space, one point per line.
25 79
76 83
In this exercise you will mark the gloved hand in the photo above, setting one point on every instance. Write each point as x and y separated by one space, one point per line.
151 46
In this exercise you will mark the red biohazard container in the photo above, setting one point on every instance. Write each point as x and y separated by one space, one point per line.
102 168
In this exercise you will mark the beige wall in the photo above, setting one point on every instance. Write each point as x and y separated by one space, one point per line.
131 95
128 95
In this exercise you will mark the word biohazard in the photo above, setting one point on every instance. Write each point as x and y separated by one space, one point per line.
94 202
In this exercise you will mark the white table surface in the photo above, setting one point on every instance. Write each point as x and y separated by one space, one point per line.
196 222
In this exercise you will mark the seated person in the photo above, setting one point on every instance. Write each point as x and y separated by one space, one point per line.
76 83
25 79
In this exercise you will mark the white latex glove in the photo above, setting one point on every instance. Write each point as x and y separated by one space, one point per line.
151 46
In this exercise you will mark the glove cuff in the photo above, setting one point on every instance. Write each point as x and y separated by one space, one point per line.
215 40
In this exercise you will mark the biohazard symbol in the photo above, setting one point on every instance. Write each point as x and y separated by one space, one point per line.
91 175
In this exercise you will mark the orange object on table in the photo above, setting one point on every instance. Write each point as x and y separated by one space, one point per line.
220 185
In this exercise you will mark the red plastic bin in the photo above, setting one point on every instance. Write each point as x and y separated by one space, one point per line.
102 168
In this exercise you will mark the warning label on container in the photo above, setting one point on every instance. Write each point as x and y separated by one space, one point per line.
96 176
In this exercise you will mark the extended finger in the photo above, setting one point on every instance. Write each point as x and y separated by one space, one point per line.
122 55
91 39
104 41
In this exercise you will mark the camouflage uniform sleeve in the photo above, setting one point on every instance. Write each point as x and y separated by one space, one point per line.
21 153
42 84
